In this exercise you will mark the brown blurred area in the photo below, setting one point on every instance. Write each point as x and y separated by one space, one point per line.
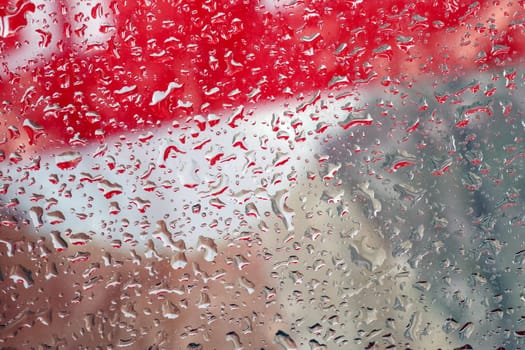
101 297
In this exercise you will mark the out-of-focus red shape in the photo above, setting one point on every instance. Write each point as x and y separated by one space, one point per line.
169 60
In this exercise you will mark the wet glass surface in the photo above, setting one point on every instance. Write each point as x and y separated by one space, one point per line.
261 175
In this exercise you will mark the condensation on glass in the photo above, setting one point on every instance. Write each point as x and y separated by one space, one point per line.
262 174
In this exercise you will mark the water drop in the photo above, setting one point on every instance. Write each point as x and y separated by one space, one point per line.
285 341
170 310
282 210
20 275
209 247
68 160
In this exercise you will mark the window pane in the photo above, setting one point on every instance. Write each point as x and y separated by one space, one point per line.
261 174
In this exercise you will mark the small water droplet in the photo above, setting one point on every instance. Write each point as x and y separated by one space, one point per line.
282 210
285 341
209 247
236 341
68 160
170 310
21 275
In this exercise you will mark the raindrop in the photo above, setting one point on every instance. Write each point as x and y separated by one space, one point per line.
68 160
285 341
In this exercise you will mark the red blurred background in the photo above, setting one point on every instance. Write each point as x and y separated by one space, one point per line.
219 55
